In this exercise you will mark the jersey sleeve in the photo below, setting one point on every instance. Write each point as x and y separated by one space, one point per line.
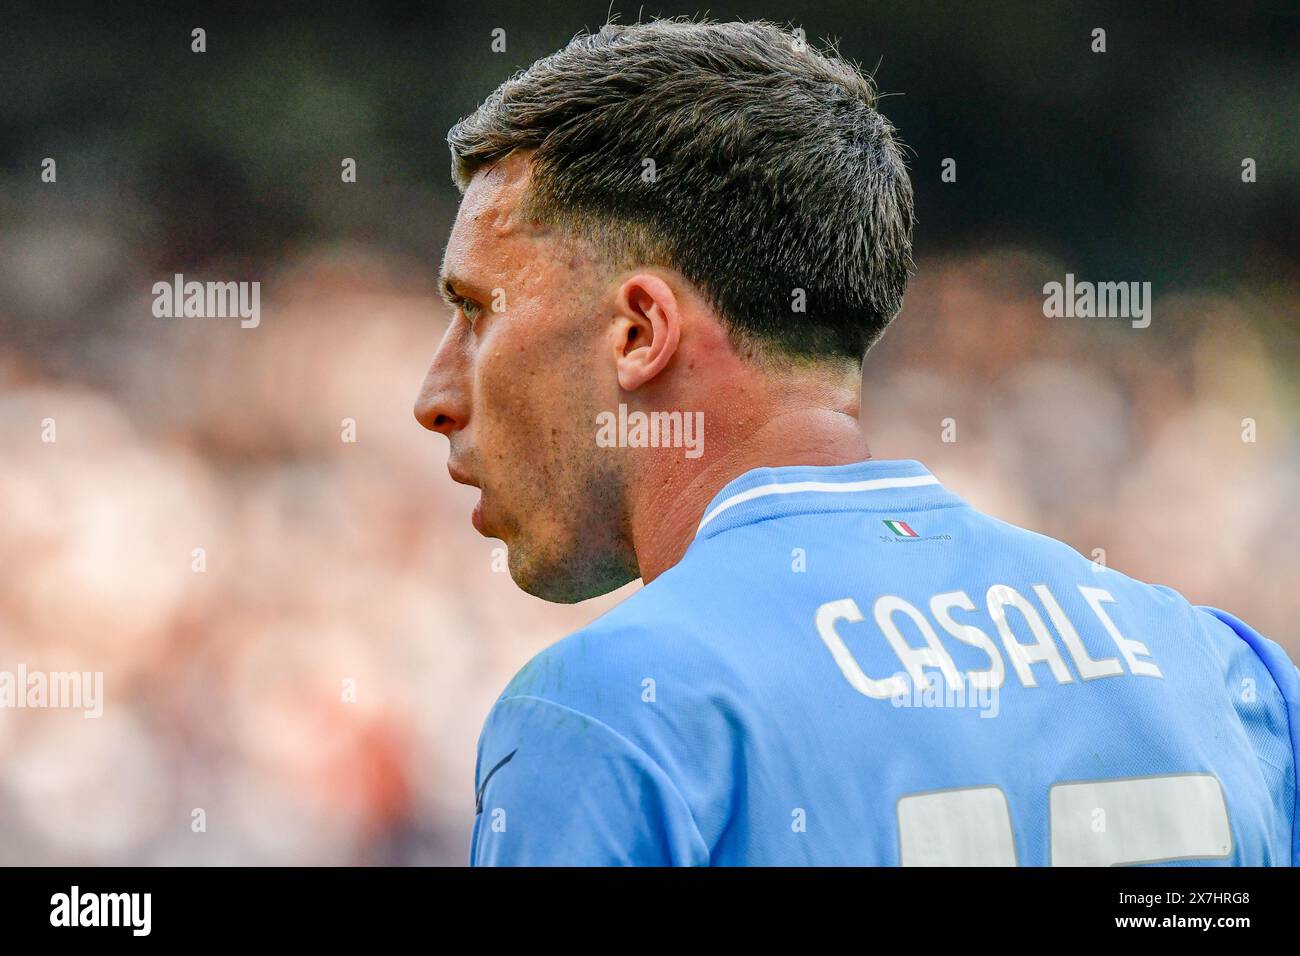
556 787
1286 676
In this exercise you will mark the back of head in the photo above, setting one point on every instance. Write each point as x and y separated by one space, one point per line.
735 154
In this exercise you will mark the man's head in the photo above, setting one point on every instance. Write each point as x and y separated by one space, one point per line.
668 216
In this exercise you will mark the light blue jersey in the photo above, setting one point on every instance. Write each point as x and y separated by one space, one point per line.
852 666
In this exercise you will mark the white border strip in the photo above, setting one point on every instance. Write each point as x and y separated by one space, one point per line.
873 484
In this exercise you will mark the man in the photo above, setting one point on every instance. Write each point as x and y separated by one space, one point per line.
682 227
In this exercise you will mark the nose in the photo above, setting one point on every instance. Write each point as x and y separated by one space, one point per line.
442 404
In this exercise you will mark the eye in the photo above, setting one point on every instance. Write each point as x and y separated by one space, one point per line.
471 309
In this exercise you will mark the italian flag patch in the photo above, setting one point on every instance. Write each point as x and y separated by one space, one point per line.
901 528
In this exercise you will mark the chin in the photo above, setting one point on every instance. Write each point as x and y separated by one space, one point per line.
557 582
556 588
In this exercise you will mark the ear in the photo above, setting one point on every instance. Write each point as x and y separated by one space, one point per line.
648 327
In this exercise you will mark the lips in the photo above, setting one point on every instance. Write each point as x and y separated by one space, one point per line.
463 478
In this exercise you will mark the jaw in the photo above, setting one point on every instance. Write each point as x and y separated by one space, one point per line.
586 566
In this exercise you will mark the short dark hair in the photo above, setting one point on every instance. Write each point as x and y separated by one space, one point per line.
774 172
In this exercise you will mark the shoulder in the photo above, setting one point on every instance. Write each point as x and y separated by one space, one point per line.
1240 638
650 672
616 662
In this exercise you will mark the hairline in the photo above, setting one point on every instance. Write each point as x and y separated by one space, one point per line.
772 356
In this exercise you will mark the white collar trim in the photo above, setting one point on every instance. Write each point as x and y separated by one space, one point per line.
832 487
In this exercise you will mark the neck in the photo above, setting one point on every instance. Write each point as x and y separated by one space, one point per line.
672 494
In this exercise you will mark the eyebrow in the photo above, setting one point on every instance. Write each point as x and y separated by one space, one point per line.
448 289
454 288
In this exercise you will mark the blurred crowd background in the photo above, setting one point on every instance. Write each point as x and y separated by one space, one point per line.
329 561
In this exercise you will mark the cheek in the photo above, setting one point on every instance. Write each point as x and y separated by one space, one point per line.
515 400
537 399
